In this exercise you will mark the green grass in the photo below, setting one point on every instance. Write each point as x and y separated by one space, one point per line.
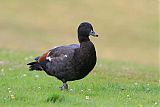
110 84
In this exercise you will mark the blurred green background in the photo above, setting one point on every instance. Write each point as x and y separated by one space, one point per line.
128 29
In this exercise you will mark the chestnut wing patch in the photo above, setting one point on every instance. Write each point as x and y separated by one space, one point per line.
43 57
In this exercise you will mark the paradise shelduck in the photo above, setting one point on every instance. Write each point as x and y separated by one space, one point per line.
71 62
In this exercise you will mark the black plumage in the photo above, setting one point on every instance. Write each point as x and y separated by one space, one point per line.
71 62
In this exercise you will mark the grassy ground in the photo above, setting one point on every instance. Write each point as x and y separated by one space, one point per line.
113 84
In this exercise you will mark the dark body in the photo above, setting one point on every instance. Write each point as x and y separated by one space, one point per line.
71 62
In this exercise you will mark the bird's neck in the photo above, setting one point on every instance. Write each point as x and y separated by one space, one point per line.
86 45
87 48
83 39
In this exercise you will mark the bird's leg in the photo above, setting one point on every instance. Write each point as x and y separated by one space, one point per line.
64 86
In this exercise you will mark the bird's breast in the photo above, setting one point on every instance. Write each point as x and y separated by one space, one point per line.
87 58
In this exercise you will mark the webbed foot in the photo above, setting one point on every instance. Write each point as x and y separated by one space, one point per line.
64 86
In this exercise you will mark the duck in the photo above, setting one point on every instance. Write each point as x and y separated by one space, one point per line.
70 62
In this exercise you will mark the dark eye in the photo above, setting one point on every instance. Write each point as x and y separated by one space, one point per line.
88 30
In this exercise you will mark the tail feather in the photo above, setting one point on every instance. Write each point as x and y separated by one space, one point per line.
35 66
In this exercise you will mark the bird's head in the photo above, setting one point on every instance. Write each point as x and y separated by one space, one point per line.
85 29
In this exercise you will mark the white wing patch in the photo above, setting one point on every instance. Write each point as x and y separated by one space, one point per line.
61 57
49 58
